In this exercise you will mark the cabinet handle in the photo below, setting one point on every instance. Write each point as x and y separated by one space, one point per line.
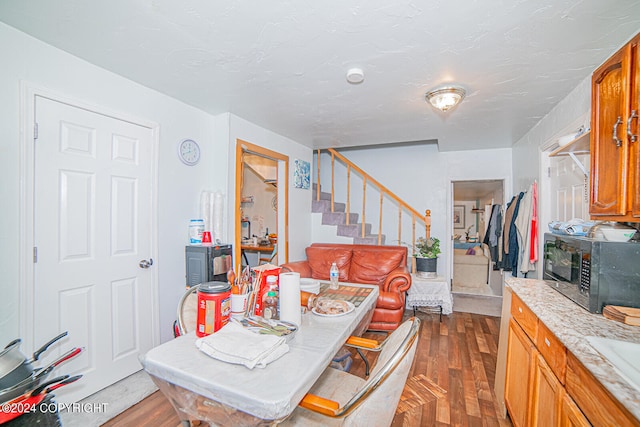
617 140
632 137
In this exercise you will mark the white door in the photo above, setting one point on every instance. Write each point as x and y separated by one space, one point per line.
569 189
93 192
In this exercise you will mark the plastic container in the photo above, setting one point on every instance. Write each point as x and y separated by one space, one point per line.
196 228
214 307
270 310
334 275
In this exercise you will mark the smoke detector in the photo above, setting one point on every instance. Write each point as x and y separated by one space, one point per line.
355 76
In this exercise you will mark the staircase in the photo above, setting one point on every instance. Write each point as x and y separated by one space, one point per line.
352 225
350 229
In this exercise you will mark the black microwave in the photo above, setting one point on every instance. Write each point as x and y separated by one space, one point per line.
593 273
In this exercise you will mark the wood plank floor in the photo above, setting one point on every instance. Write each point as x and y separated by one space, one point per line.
450 383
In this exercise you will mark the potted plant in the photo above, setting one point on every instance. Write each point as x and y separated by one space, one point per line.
426 255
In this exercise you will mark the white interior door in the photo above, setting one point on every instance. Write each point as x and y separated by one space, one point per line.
92 227
569 189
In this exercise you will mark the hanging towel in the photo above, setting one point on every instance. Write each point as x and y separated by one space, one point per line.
533 251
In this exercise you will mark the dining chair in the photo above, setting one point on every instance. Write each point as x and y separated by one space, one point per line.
269 258
342 399
187 313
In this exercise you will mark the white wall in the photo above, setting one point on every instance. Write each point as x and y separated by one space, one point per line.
530 163
179 186
421 176
29 60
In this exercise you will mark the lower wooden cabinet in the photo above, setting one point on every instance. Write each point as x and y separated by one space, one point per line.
521 356
571 415
546 398
536 365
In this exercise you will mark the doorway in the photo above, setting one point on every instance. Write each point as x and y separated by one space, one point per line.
92 229
472 269
261 211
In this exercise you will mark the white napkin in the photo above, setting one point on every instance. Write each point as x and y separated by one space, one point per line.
234 344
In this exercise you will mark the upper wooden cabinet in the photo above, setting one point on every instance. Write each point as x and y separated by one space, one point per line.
615 160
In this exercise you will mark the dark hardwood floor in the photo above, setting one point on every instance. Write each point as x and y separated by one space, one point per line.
450 382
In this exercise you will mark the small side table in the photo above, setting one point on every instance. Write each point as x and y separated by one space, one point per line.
434 292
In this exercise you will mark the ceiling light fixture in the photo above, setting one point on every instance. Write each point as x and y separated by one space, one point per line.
445 98
355 76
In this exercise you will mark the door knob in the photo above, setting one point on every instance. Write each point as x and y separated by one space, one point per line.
146 264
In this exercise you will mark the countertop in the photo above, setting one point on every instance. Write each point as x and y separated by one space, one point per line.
570 323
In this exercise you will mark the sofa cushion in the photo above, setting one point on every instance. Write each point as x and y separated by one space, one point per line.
320 260
373 266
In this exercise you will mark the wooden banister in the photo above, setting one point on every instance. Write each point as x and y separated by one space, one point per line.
367 180
375 183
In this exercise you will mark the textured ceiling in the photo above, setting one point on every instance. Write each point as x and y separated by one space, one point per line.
282 64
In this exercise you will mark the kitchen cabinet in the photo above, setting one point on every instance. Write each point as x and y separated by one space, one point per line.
571 415
546 397
535 376
546 385
615 159
520 364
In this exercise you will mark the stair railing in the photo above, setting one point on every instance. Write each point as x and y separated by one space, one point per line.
384 192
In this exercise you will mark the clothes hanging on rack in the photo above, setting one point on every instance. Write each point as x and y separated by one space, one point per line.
533 251
523 229
494 232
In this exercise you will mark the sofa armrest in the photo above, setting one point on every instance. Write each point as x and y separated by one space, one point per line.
390 300
301 267
398 280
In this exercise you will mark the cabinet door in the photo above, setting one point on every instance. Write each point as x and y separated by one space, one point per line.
633 130
546 398
609 112
521 355
571 415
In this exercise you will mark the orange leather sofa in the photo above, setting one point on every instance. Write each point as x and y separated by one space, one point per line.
385 266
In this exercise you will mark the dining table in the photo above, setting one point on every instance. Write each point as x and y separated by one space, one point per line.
203 388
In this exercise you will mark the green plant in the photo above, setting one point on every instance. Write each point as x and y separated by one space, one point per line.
427 248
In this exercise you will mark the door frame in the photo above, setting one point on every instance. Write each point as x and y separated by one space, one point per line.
26 219
506 189
283 197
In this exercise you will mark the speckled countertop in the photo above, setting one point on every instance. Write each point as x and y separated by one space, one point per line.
571 323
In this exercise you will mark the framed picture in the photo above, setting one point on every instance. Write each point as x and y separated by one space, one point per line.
458 216
301 174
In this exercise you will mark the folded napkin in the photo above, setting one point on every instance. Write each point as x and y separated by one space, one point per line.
235 344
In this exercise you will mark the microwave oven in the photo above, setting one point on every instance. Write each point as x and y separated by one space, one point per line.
593 273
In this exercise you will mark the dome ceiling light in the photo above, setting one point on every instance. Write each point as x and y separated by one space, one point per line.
445 98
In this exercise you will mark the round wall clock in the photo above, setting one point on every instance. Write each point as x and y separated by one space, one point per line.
189 152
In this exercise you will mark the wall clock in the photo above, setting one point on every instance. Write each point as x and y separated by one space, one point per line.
189 152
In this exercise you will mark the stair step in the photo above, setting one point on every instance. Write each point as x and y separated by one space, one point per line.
321 206
353 230
371 239
338 218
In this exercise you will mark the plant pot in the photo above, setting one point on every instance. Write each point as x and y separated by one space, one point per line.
426 267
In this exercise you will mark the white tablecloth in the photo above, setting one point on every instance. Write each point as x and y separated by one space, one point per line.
270 393
430 293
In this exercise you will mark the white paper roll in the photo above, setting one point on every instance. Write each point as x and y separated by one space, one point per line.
289 290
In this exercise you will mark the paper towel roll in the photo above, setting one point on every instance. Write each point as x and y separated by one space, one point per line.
289 290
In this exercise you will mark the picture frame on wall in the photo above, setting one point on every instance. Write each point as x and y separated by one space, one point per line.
301 174
458 216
